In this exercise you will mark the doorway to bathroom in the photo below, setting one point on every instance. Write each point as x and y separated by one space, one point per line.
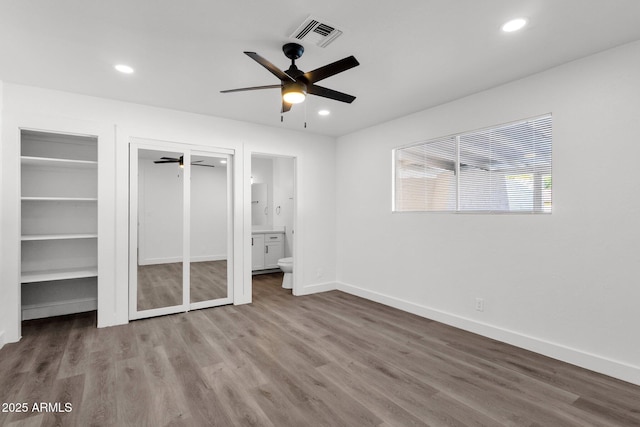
273 222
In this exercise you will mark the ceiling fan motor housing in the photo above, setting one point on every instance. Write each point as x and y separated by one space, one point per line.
293 51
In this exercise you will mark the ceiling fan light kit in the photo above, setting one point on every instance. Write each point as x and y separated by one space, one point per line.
295 84
294 93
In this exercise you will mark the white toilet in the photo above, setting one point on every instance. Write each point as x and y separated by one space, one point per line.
286 265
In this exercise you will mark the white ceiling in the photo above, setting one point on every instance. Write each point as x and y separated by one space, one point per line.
413 54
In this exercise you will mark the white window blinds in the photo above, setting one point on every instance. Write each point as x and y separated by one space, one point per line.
506 168
425 177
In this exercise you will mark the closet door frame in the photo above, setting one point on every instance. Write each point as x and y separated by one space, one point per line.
187 151
13 122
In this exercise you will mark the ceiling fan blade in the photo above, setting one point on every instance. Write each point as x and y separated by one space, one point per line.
206 166
285 107
251 88
166 161
169 158
331 69
330 93
269 66
197 161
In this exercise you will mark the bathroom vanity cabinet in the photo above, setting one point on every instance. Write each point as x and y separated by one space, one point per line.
266 249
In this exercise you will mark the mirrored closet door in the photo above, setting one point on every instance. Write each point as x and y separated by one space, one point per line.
211 232
180 229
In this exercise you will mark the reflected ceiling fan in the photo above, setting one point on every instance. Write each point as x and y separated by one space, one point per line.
295 84
180 161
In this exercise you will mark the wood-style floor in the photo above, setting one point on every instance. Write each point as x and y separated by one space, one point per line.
160 285
328 359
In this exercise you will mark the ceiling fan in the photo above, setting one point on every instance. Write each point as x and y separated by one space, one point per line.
180 161
296 84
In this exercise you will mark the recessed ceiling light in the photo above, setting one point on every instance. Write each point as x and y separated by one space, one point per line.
324 112
125 69
224 162
514 25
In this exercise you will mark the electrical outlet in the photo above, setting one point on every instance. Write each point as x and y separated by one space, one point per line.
479 304
319 273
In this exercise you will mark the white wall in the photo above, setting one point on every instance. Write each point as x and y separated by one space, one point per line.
4 320
316 235
262 173
565 284
283 201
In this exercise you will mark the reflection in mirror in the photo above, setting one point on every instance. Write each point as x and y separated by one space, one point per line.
160 225
209 227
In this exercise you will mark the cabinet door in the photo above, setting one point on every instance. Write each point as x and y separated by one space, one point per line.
257 252
273 252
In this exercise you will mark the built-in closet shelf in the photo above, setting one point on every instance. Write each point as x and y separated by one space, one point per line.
59 199
51 275
49 161
33 237
59 238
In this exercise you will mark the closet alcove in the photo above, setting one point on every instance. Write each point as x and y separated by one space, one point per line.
59 223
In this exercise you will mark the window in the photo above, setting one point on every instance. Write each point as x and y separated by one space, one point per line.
501 169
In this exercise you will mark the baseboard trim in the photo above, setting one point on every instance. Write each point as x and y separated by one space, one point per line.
593 362
171 260
2 339
39 311
205 258
265 271
317 288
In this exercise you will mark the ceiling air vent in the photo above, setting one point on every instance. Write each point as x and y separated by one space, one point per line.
316 31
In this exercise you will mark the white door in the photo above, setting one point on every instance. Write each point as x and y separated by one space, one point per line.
181 230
